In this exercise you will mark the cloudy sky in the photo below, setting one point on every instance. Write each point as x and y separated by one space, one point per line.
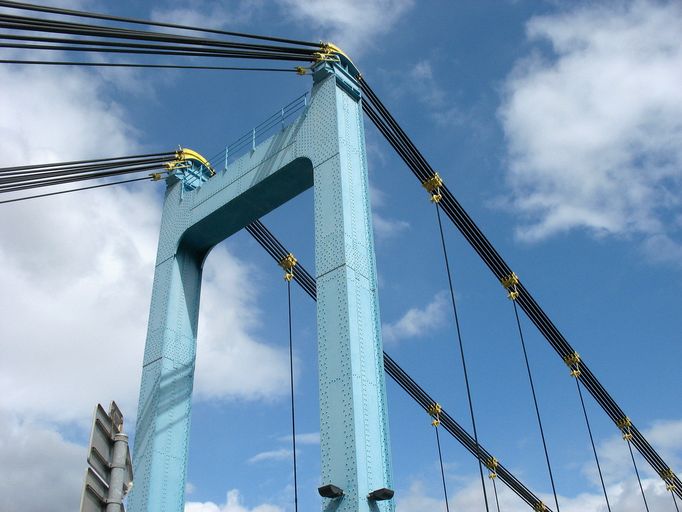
558 125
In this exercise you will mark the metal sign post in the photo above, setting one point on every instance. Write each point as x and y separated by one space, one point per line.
109 475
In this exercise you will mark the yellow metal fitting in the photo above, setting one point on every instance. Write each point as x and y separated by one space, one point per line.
433 183
300 70
432 186
667 473
540 507
509 284
492 464
573 360
329 53
510 281
434 409
669 478
183 154
624 423
156 176
288 263
625 426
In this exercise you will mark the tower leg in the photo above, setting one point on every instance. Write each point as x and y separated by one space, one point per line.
163 416
354 430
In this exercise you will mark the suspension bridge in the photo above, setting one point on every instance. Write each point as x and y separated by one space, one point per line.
316 141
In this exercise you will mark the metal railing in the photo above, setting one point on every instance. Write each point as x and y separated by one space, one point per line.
279 120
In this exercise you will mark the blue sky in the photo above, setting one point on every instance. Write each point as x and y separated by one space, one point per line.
557 126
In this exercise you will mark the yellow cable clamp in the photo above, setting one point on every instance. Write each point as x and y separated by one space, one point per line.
492 464
573 362
509 284
288 263
669 478
434 411
300 70
432 186
625 427
540 507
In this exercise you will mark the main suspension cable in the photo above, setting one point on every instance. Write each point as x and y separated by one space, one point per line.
155 43
152 66
405 148
101 16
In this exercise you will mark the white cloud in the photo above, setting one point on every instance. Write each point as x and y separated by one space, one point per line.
233 503
385 227
309 438
42 471
350 24
281 454
231 361
439 102
77 274
417 320
206 13
595 130
622 487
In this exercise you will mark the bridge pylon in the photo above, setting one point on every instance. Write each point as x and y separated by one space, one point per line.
324 148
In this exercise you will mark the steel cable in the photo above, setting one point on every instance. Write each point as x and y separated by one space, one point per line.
416 162
594 448
101 16
461 351
272 245
537 408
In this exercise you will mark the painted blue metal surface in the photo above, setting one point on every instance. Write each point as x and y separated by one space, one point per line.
192 173
325 146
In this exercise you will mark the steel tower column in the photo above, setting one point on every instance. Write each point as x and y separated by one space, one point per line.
325 146
354 427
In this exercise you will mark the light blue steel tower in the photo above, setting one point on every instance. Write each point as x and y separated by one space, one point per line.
325 147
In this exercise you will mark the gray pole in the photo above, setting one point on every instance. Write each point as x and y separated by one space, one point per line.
118 474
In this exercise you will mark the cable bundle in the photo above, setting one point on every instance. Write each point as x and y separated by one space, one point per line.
420 167
118 39
275 248
29 177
